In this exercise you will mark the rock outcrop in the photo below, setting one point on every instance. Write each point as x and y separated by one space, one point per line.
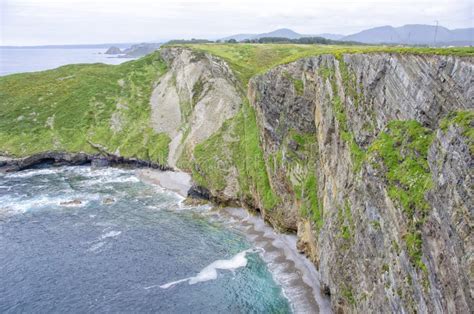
113 51
192 101
367 157
387 235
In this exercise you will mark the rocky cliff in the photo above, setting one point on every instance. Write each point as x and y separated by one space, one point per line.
366 156
371 153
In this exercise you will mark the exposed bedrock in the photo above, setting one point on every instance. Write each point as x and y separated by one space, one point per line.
372 158
192 100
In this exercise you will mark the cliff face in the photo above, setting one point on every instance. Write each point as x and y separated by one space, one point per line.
192 100
376 174
367 157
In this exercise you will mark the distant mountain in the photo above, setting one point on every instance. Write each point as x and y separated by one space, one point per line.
329 36
281 33
415 34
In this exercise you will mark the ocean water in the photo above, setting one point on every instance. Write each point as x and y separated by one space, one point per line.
78 239
18 60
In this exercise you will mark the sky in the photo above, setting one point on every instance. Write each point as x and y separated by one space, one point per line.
39 22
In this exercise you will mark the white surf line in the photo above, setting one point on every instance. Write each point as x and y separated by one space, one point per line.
283 261
210 271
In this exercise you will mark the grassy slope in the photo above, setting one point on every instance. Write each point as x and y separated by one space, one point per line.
72 106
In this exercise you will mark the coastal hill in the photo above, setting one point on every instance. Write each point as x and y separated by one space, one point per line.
364 152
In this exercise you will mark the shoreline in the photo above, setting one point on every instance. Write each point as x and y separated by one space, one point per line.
58 158
298 277
175 181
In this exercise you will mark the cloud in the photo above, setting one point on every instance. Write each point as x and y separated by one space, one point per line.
91 21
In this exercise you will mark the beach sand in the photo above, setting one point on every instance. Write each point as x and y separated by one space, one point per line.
178 182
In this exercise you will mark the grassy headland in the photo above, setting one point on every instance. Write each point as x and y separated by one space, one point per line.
81 107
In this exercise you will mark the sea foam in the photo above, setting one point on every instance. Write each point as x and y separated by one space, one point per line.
210 271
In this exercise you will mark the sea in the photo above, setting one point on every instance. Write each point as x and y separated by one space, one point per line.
18 60
95 240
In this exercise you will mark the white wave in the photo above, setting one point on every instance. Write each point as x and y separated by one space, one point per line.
21 205
210 271
96 246
111 234
294 272
32 172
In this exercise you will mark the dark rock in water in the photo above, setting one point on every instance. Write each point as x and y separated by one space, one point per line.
71 203
100 162
72 159
113 51
108 201
199 192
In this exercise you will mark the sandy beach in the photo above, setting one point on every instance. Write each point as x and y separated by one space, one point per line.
178 182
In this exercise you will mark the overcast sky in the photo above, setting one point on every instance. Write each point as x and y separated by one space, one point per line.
34 22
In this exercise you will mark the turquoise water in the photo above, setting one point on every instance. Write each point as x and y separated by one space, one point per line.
18 60
77 239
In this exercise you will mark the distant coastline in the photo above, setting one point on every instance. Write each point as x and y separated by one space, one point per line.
82 46
21 60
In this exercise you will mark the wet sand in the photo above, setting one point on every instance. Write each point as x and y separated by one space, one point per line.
178 182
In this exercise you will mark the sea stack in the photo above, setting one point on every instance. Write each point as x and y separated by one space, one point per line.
113 51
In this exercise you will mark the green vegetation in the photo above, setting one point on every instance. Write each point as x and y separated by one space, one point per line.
198 88
248 60
300 167
403 149
344 218
298 84
465 121
74 106
348 295
216 156
357 154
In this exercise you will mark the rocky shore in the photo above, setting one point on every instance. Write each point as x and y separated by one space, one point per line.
9 164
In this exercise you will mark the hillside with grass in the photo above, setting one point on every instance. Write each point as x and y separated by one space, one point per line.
82 108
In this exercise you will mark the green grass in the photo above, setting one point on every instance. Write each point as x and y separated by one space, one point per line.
465 121
67 108
403 150
306 190
248 60
214 157
348 295
346 223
